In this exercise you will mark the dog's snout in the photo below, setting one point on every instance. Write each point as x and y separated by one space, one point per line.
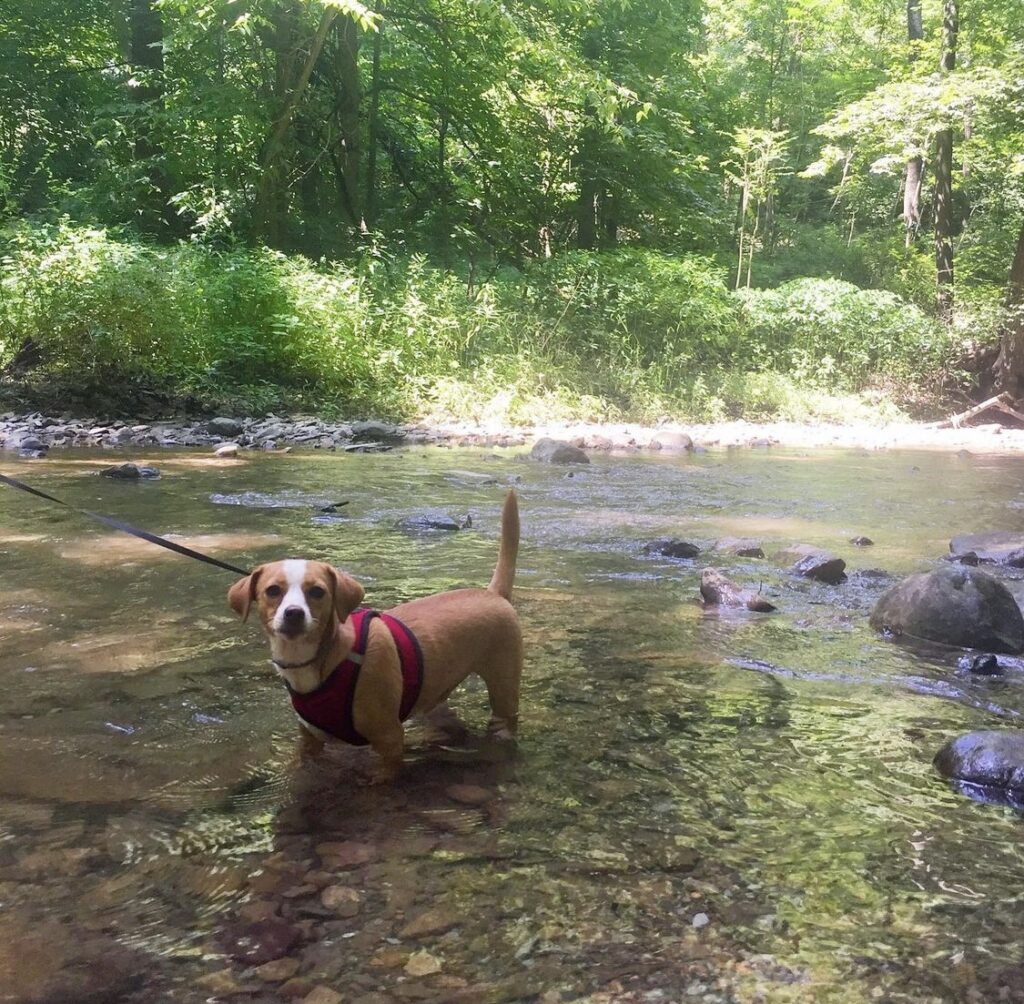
294 615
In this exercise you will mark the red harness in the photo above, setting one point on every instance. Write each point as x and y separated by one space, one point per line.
329 707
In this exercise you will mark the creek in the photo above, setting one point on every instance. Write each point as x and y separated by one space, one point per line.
708 807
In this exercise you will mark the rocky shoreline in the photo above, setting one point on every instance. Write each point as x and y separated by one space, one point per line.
37 433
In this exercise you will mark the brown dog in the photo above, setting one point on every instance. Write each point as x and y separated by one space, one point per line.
356 675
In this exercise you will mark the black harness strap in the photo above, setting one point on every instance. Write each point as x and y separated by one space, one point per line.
117 524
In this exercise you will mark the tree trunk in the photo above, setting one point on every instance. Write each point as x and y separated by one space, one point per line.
146 53
348 118
373 132
586 203
1009 367
270 201
944 176
915 166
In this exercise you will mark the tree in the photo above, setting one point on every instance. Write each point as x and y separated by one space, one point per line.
915 165
943 196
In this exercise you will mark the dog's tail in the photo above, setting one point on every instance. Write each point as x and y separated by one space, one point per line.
505 571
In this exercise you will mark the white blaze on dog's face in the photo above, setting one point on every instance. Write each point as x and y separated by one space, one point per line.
298 601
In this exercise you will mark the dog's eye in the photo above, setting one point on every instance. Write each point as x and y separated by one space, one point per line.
272 591
317 592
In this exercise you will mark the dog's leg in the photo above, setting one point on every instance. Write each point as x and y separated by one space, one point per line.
389 746
502 679
310 746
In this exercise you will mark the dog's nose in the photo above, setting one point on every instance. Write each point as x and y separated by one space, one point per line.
294 615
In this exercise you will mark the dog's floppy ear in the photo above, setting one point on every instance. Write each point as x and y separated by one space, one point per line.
243 592
348 594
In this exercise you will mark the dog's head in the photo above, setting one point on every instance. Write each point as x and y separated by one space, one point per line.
297 601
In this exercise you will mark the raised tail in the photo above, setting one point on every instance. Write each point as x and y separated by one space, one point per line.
505 571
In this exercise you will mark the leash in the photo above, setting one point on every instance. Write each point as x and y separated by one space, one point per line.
117 524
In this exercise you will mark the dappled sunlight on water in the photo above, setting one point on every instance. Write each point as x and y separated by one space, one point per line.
725 805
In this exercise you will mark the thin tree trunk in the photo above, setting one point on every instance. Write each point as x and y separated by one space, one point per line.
744 197
944 176
348 118
1009 367
373 132
915 166
586 203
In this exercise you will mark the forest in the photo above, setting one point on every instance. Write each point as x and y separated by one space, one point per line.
805 209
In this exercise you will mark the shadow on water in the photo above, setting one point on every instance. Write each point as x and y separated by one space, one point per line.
736 808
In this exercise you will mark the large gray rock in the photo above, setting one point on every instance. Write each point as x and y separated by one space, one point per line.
999 546
812 563
226 427
555 451
993 759
953 605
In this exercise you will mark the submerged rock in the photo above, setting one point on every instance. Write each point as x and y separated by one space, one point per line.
670 547
263 941
555 451
428 522
678 442
861 541
130 472
994 759
955 606
980 665
716 590
998 547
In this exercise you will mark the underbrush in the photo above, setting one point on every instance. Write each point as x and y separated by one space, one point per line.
115 325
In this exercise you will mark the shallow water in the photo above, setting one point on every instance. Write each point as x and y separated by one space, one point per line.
768 774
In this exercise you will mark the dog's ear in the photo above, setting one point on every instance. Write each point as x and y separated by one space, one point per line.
243 592
348 594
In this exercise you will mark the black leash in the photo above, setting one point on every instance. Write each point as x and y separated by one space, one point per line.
116 524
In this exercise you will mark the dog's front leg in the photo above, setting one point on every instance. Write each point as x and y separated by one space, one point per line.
310 745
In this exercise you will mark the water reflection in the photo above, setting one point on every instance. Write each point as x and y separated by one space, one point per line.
741 805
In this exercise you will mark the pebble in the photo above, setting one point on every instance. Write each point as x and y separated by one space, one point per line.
701 920
322 995
346 853
437 920
422 964
277 970
469 794
222 982
344 901
263 941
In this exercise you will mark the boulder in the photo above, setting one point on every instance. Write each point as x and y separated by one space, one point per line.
998 546
812 563
363 431
718 591
993 759
556 451
955 606
980 665
226 450
740 546
677 442
226 427
670 547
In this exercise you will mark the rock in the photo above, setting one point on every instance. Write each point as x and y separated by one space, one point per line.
130 472
675 441
436 920
32 444
670 547
995 547
277 971
429 522
700 920
717 590
812 563
955 606
226 450
982 665
469 794
226 427
554 451
342 899
861 541
346 853
993 759
967 558
263 941
322 995
422 964
376 430
295 988
221 983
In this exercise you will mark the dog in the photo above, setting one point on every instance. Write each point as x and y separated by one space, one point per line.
355 674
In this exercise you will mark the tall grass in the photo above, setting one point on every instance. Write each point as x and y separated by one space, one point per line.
588 335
